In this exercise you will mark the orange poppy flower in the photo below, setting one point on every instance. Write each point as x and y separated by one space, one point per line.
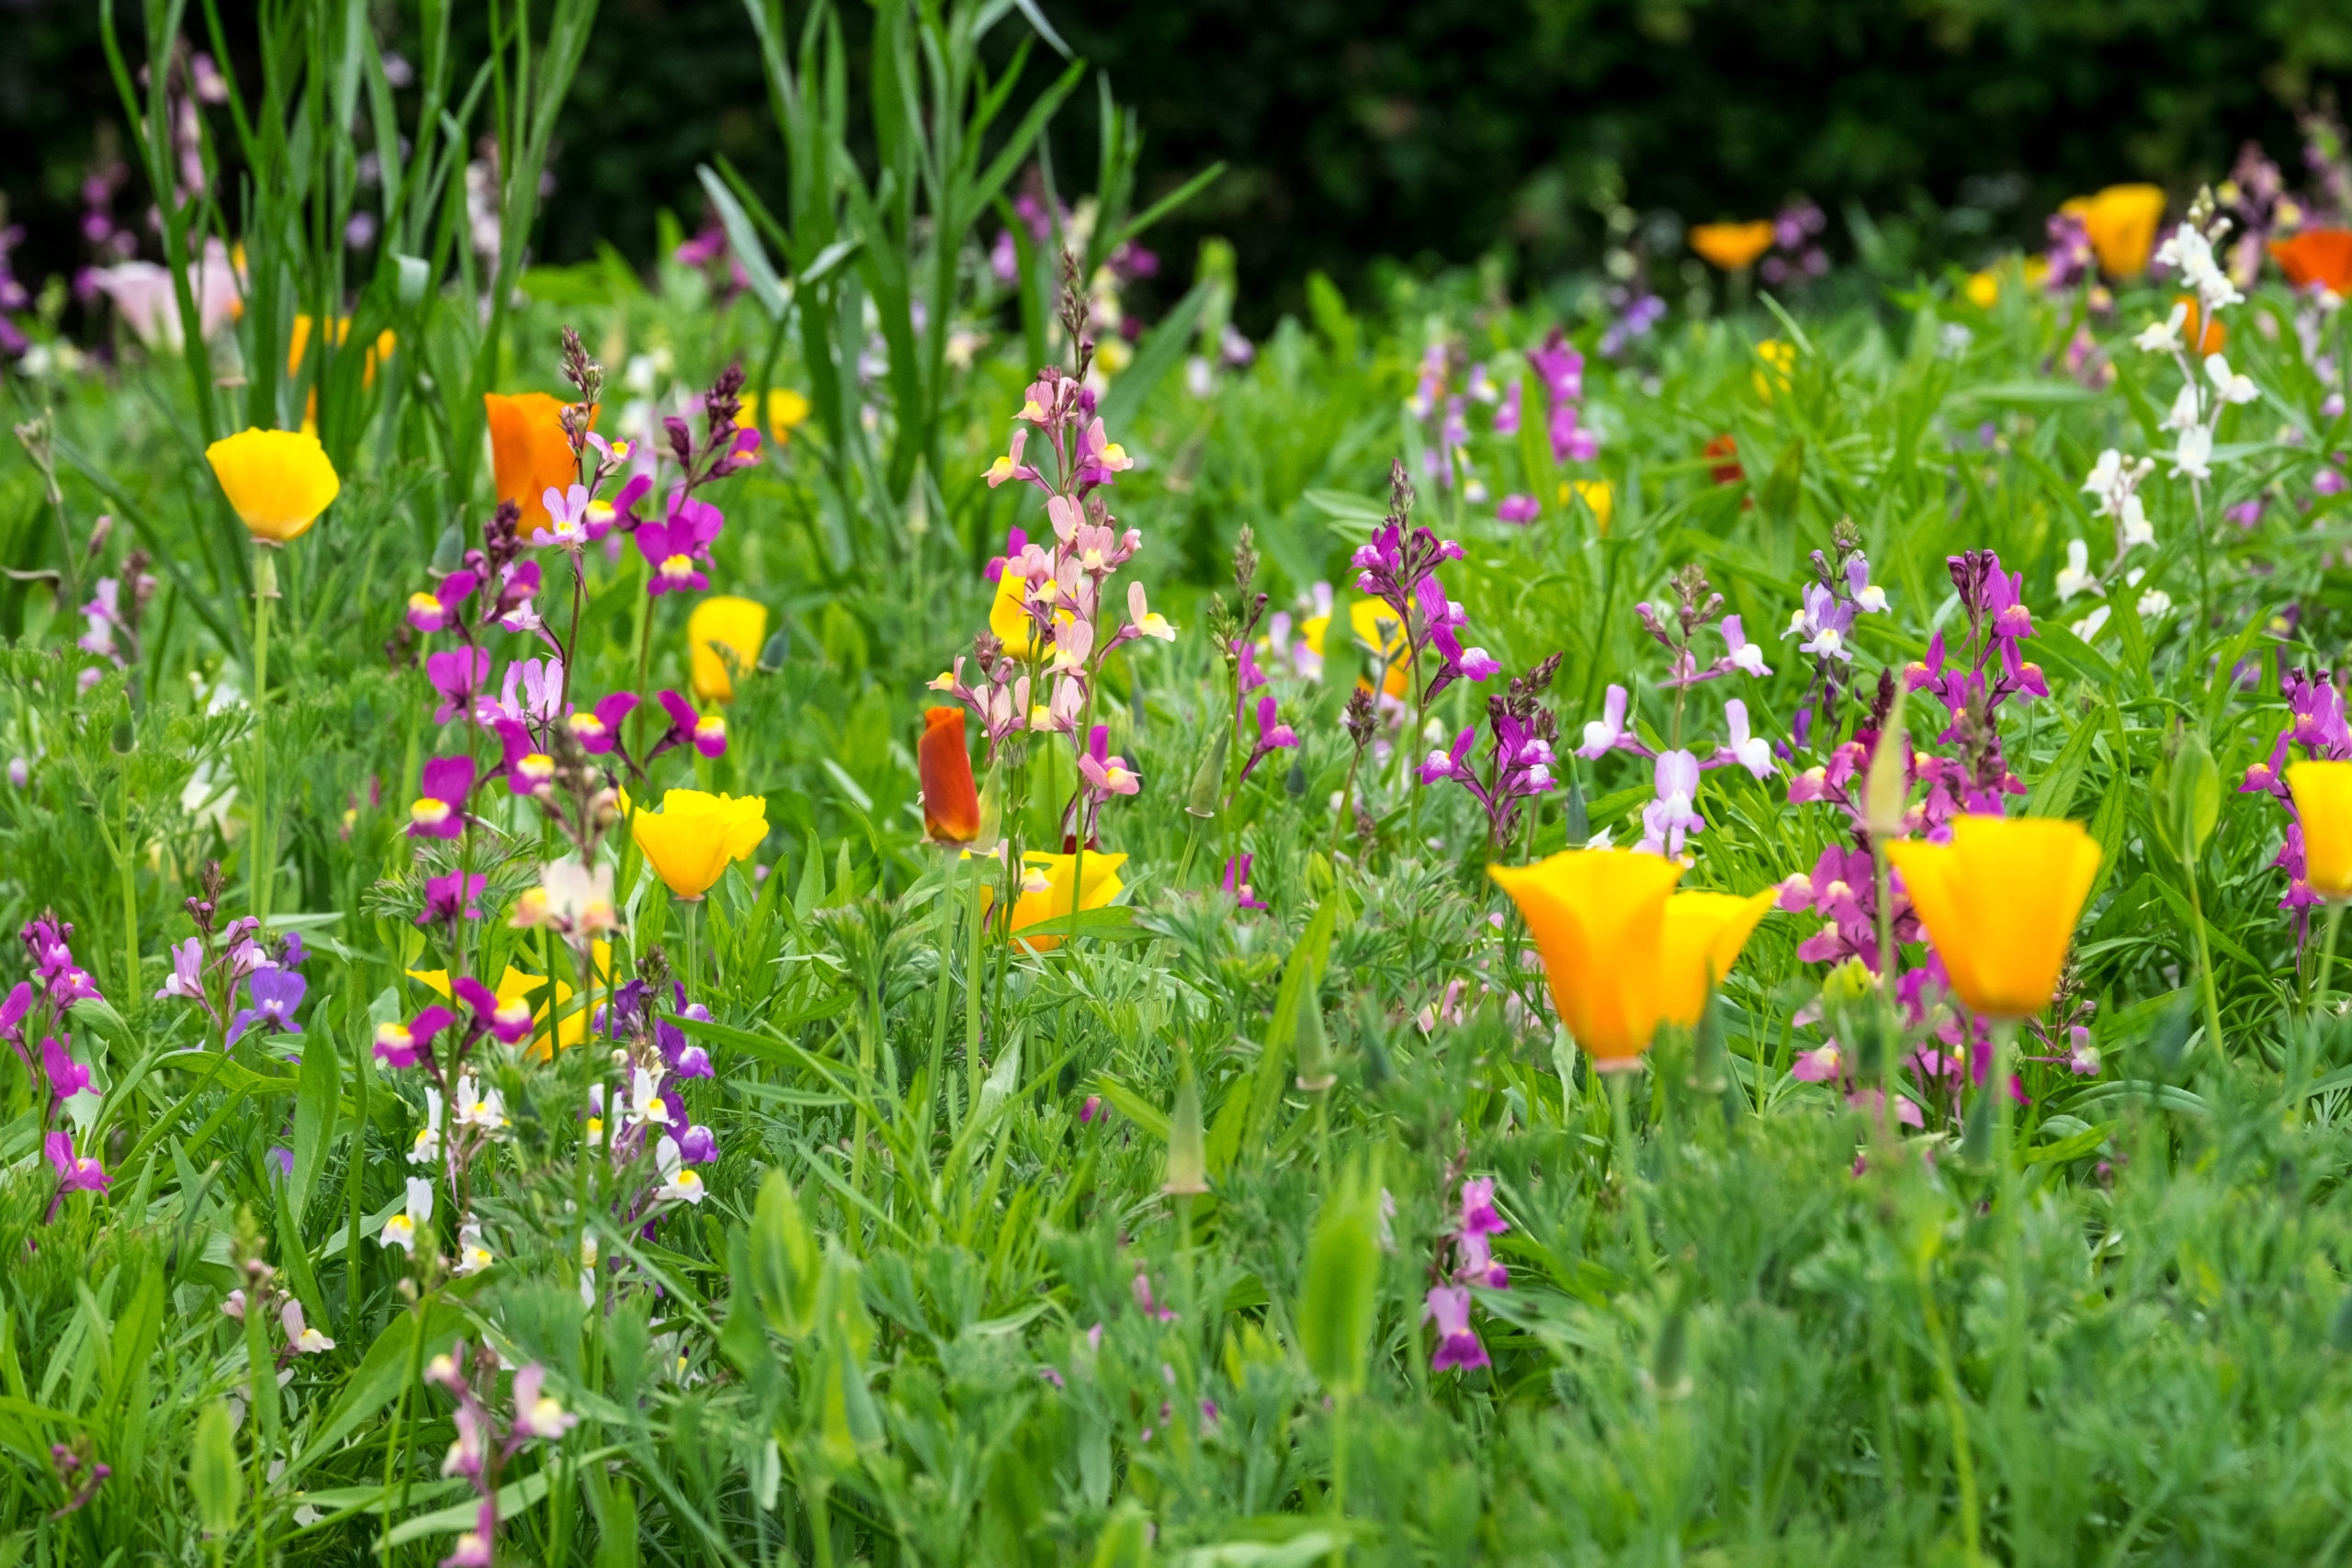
951 806
1726 473
2317 255
2216 334
1732 246
2121 223
530 452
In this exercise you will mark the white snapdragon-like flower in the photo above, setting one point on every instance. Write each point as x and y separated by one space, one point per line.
2229 386
400 1229
679 1183
2194 458
2184 410
2075 576
2191 255
2164 337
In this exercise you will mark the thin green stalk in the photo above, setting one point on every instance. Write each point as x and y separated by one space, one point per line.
1621 1133
1948 1386
973 925
2205 968
262 872
2327 956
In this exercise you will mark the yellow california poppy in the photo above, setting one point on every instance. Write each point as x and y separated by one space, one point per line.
517 985
2323 793
2122 222
1623 951
2001 901
721 626
787 411
695 836
1596 494
1007 616
1375 626
278 481
1732 246
1044 893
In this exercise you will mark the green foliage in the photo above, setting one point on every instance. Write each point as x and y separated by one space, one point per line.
1050 1257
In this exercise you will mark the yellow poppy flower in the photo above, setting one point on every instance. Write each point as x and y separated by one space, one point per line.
787 411
517 985
2122 222
1732 246
1623 951
723 625
278 481
695 836
1046 893
2001 901
1375 626
1007 617
1596 494
2323 793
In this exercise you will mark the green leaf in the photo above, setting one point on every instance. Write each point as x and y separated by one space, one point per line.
318 1089
1334 1311
1161 350
212 1470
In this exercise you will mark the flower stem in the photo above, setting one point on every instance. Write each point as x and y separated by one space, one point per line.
2327 956
260 873
2205 964
1620 1130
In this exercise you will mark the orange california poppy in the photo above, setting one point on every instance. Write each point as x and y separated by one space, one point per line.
1727 469
2121 223
530 452
2216 334
951 806
2317 255
1732 246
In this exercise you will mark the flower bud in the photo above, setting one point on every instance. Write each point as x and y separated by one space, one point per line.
1315 1073
1188 1157
1208 784
1887 788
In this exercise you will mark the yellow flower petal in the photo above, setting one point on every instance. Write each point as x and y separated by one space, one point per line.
278 481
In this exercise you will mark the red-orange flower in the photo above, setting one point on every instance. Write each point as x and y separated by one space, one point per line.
2216 334
2317 255
530 452
951 806
1726 472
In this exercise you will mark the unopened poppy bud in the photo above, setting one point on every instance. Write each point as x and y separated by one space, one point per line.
1188 1157
1208 784
1888 785
1315 1073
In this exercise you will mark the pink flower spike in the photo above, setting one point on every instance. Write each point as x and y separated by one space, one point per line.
439 810
1449 1307
1479 1215
1520 509
83 1174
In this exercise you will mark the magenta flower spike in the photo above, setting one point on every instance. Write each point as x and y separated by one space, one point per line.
439 810
1448 1306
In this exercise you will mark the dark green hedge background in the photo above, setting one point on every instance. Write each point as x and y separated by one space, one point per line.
1437 131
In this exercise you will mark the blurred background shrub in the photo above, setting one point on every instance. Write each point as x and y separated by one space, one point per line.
1360 134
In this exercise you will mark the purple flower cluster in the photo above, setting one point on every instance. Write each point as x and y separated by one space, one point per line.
42 1007
1400 570
2315 722
1561 367
1447 1303
484 1444
1672 816
1843 892
1520 761
1796 251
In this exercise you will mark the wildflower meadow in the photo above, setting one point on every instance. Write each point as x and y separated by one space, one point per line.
833 903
